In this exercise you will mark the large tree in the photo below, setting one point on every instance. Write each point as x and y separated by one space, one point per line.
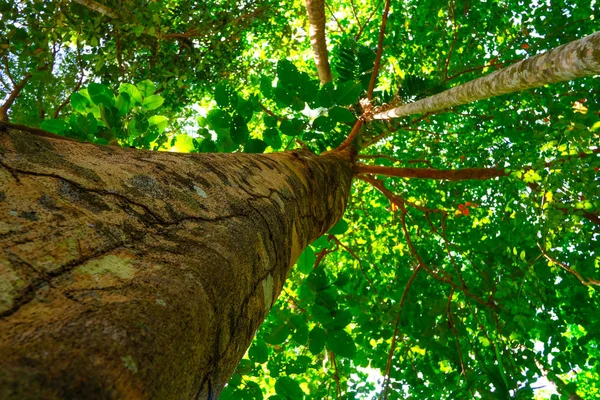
466 264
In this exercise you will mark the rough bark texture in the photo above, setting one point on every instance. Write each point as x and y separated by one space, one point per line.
316 19
570 61
128 274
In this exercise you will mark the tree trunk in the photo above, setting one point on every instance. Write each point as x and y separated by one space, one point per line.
128 274
570 61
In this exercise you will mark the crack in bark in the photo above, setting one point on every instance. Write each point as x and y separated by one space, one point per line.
37 283
126 199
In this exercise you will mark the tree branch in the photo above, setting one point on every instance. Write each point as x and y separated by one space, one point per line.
99 8
588 282
12 97
375 72
431 173
567 62
316 19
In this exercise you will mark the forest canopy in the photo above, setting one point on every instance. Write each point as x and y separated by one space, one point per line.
432 286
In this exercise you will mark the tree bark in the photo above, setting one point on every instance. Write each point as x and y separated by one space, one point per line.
127 274
570 61
316 20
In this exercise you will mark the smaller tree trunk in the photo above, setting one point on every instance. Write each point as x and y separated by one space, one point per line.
316 19
570 61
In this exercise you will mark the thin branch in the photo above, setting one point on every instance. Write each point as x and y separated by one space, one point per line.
589 282
355 15
118 46
395 159
453 328
379 50
350 139
7 68
77 86
336 376
12 97
334 17
453 12
432 173
367 21
388 366
353 254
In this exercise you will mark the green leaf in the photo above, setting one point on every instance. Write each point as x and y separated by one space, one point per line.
316 339
138 125
325 97
340 228
135 96
323 124
291 127
321 243
160 121
123 103
245 366
299 366
152 102
321 314
101 94
110 116
83 126
239 130
55 126
341 343
300 336
306 261
347 93
288 74
270 122
341 320
80 103
266 86
245 109
146 88
279 334
255 146
225 95
341 114
259 352
288 388
284 97
218 119
272 138
208 146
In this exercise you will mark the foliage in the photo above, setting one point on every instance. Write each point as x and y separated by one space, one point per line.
443 289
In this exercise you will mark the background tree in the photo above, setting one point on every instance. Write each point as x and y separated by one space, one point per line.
431 287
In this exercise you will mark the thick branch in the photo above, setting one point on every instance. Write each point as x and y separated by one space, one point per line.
431 173
570 61
12 97
316 19
99 8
